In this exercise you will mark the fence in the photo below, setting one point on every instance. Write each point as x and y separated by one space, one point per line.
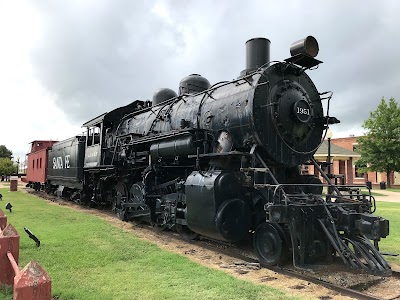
32 282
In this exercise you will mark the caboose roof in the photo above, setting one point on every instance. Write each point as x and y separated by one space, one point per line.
42 141
37 145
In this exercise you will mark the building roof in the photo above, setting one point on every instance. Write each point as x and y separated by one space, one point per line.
336 152
37 145
42 141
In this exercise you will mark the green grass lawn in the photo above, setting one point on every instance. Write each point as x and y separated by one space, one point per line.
363 190
390 244
394 189
87 258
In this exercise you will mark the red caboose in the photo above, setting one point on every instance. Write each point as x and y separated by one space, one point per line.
37 163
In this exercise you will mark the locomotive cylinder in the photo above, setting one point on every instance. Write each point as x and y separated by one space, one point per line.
215 206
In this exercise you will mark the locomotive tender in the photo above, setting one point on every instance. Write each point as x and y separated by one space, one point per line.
222 161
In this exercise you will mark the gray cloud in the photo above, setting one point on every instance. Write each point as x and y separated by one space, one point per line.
97 57
95 60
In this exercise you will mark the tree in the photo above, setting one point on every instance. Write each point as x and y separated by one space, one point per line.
380 147
7 167
4 152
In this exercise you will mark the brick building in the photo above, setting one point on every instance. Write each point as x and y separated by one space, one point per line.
342 161
343 157
350 143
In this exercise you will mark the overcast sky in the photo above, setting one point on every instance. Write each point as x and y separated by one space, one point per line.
65 62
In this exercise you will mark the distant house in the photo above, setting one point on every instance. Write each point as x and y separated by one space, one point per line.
342 161
351 143
343 157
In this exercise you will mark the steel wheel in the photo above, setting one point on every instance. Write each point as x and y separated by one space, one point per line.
268 243
120 197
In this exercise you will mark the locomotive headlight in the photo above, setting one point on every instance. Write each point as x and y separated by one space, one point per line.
308 45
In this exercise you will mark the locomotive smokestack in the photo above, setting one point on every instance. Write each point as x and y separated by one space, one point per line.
257 54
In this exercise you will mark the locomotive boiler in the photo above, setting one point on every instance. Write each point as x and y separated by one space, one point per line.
222 161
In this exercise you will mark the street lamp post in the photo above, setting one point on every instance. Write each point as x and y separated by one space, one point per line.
17 165
329 135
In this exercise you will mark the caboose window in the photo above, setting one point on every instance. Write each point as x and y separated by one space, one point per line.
40 163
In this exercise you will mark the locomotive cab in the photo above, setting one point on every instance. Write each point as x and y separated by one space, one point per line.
94 133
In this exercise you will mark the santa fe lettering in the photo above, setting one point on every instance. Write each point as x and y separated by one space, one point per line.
59 164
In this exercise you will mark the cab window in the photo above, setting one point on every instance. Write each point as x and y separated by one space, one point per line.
93 136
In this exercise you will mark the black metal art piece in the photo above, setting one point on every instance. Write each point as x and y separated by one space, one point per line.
222 160
9 206
32 236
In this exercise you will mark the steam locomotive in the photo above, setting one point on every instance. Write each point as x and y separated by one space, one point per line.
222 161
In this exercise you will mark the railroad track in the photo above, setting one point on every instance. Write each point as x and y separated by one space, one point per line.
232 251
345 291
396 274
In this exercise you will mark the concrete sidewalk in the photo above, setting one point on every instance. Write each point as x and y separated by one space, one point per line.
389 196
6 184
3 186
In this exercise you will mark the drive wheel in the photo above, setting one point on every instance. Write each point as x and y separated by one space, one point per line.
120 198
186 232
269 243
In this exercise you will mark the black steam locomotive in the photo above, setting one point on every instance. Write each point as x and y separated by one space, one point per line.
222 161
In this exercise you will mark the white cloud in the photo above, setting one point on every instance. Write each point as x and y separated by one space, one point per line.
27 110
